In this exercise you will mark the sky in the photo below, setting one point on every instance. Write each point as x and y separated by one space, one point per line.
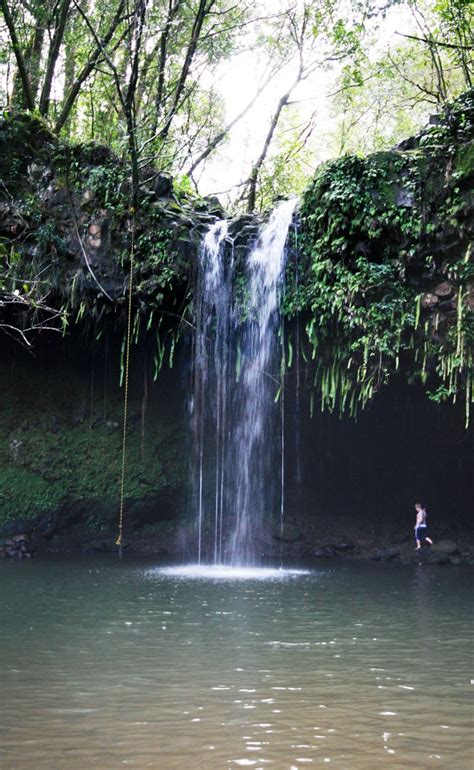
237 81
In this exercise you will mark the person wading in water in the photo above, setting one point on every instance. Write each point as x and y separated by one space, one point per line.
421 527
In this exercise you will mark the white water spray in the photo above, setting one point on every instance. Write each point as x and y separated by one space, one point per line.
210 371
236 422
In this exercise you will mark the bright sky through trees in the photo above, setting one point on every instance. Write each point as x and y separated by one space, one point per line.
238 77
243 100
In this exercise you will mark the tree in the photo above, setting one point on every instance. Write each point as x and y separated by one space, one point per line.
70 53
415 75
24 308
319 35
38 32
142 76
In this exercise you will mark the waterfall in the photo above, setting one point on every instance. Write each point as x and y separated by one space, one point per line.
298 365
237 424
209 401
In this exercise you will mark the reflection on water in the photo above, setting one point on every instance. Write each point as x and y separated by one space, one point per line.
109 663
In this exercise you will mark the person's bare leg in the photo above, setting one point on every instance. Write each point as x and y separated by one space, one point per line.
418 545
429 540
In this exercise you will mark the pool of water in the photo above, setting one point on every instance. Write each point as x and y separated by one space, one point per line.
360 666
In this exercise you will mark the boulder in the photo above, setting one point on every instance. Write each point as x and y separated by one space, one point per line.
445 547
289 533
444 289
162 185
429 300
323 552
386 554
14 547
343 547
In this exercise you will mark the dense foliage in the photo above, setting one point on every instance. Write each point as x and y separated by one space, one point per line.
66 238
386 245
393 89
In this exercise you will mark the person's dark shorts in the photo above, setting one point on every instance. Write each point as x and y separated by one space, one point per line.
421 533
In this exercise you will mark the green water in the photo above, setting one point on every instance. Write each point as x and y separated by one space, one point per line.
108 664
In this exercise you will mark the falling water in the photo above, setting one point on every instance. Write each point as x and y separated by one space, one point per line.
298 366
209 403
236 422
282 438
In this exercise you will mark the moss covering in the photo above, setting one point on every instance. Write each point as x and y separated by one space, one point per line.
23 137
60 445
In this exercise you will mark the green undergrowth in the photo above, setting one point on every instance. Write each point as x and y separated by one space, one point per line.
385 268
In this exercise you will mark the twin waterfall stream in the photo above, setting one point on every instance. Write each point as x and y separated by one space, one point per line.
237 419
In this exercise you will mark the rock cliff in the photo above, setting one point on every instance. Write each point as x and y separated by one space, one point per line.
379 285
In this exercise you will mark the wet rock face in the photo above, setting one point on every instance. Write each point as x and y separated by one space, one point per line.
386 270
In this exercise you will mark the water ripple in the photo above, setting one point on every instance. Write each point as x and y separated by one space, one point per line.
353 667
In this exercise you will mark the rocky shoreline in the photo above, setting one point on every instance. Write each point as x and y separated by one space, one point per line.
174 540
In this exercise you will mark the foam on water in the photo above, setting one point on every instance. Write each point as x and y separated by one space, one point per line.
223 572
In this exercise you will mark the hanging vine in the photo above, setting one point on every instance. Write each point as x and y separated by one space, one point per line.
388 273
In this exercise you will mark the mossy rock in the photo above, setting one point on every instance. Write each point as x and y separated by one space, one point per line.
464 162
23 136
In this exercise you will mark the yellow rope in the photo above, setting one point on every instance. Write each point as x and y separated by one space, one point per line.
125 401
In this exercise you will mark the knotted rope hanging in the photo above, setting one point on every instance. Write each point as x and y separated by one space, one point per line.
128 341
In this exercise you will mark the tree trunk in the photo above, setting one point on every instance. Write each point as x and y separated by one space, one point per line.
75 89
255 173
172 11
34 59
22 69
222 134
204 8
53 56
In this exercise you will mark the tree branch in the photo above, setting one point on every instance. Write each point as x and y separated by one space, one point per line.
203 10
457 47
222 134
